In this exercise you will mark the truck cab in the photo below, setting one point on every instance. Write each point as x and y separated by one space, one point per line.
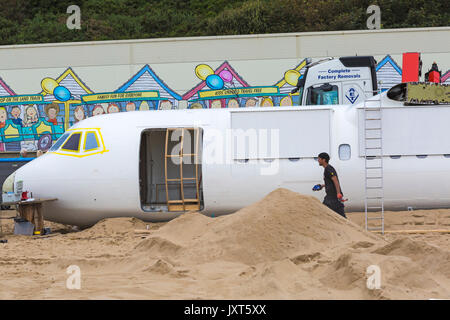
346 80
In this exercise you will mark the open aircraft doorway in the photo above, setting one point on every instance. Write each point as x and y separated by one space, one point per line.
170 171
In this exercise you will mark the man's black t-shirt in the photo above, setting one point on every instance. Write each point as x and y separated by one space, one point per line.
330 188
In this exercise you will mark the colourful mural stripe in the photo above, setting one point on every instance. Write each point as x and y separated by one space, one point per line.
25 120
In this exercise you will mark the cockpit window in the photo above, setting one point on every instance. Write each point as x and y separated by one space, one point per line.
80 142
60 141
73 143
91 141
324 94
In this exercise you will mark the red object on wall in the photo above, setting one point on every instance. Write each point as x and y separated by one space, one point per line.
434 76
412 67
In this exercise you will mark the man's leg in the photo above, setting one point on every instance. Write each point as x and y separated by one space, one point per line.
341 211
336 206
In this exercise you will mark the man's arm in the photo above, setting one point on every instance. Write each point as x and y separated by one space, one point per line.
336 184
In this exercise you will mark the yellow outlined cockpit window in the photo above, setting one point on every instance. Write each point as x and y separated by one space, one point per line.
73 143
80 143
91 141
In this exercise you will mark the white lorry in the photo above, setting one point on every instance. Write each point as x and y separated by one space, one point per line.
345 80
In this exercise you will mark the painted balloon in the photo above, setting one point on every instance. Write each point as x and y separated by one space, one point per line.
291 77
202 71
61 93
214 82
48 85
226 75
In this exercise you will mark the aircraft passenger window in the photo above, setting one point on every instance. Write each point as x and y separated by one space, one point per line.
60 141
324 94
345 152
91 141
73 143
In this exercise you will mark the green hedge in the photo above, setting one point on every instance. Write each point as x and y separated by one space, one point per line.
43 21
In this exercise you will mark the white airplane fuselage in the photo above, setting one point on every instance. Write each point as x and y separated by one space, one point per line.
90 187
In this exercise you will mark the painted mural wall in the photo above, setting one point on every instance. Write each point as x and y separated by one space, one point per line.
35 121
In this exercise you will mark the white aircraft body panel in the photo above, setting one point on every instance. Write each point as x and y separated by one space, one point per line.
106 184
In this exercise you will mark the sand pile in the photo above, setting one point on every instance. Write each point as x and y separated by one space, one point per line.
112 227
427 256
402 276
282 225
291 246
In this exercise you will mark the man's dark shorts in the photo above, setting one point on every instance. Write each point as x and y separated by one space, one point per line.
335 205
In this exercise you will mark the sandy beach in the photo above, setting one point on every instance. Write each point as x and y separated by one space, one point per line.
286 246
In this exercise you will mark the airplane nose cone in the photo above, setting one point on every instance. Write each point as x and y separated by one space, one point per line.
8 184
10 192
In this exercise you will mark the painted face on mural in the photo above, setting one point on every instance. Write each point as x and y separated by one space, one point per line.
216 104
31 113
130 106
233 103
267 103
165 105
3 115
250 103
196 105
15 112
286 101
98 109
52 113
113 108
78 114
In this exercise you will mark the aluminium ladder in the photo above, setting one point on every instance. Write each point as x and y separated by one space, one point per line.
182 204
373 166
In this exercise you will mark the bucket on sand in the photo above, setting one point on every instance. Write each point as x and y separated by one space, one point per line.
23 227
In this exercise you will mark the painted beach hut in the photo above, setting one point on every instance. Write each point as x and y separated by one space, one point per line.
72 82
234 93
147 81
65 114
389 73
143 91
5 90
195 96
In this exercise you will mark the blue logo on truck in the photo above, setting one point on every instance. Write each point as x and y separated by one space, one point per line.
352 95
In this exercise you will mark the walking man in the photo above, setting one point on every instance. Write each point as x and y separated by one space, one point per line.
332 187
